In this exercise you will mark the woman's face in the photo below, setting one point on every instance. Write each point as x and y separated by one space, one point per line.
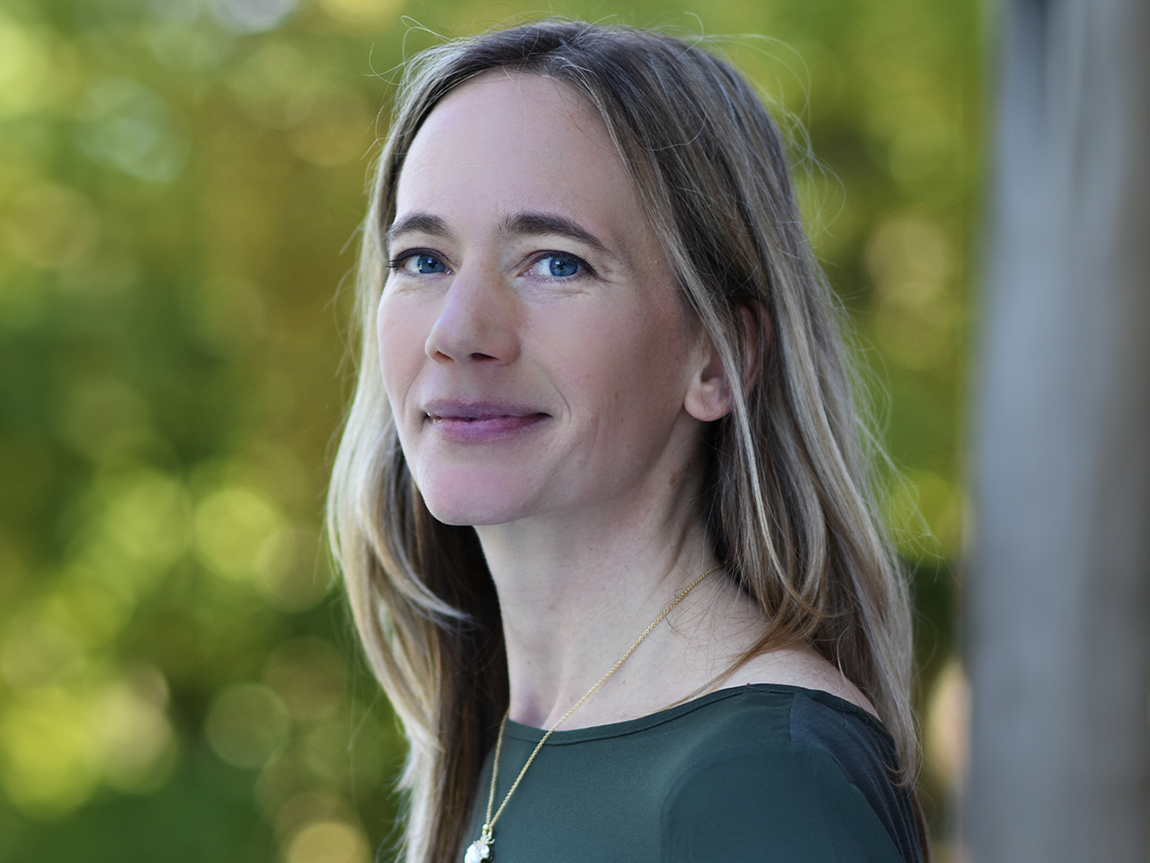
533 346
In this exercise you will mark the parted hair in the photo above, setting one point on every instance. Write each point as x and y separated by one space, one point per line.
787 496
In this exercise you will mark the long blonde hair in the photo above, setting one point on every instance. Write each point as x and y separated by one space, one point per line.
787 498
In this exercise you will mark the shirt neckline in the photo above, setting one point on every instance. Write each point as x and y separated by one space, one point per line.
560 737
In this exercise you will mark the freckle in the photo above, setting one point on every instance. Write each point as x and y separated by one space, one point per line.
673 478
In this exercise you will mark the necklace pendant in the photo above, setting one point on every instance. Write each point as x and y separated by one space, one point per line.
478 851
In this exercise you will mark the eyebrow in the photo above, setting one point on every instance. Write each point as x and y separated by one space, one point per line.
537 224
532 224
422 223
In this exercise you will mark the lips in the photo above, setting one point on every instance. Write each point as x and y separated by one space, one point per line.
482 421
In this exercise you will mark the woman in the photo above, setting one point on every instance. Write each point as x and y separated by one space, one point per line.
602 389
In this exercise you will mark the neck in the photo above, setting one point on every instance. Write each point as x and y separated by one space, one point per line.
575 593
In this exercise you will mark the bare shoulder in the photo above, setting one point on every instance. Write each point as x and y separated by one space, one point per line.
799 667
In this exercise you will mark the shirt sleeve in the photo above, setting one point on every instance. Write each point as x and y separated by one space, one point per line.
789 804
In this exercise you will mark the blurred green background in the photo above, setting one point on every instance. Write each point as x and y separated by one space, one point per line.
180 185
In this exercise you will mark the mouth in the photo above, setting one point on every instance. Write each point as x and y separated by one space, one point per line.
482 421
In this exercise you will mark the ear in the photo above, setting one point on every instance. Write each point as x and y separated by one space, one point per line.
709 395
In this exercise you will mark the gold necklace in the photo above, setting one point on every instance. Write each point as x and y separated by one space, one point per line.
480 849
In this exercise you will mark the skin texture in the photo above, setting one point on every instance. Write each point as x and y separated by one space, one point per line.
549 389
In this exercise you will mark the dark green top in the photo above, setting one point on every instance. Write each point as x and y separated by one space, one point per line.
758 773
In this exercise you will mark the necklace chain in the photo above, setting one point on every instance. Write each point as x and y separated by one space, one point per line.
481 848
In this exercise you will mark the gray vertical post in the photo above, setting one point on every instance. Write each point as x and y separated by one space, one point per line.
1058 594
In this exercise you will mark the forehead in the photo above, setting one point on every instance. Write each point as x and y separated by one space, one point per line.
490 92
507 142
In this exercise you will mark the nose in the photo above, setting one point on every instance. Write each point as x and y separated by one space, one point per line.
476 321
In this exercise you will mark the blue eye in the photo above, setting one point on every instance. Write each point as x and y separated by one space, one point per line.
556 265
561 266
418 263
424 264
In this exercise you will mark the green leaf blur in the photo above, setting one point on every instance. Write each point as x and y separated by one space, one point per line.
180 187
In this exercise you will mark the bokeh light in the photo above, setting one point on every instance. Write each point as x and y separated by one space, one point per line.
247 725
251 16
328 842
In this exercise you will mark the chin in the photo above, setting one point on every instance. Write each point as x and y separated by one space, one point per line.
473 498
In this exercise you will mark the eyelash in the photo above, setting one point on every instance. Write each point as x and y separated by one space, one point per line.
584 268
397 263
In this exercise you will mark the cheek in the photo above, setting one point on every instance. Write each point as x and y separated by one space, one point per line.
630 364
401 336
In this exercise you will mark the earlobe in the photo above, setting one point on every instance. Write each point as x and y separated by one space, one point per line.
709 396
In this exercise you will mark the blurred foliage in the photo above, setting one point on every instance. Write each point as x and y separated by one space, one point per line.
180 184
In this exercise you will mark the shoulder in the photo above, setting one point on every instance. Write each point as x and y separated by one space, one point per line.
802 667
787 774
